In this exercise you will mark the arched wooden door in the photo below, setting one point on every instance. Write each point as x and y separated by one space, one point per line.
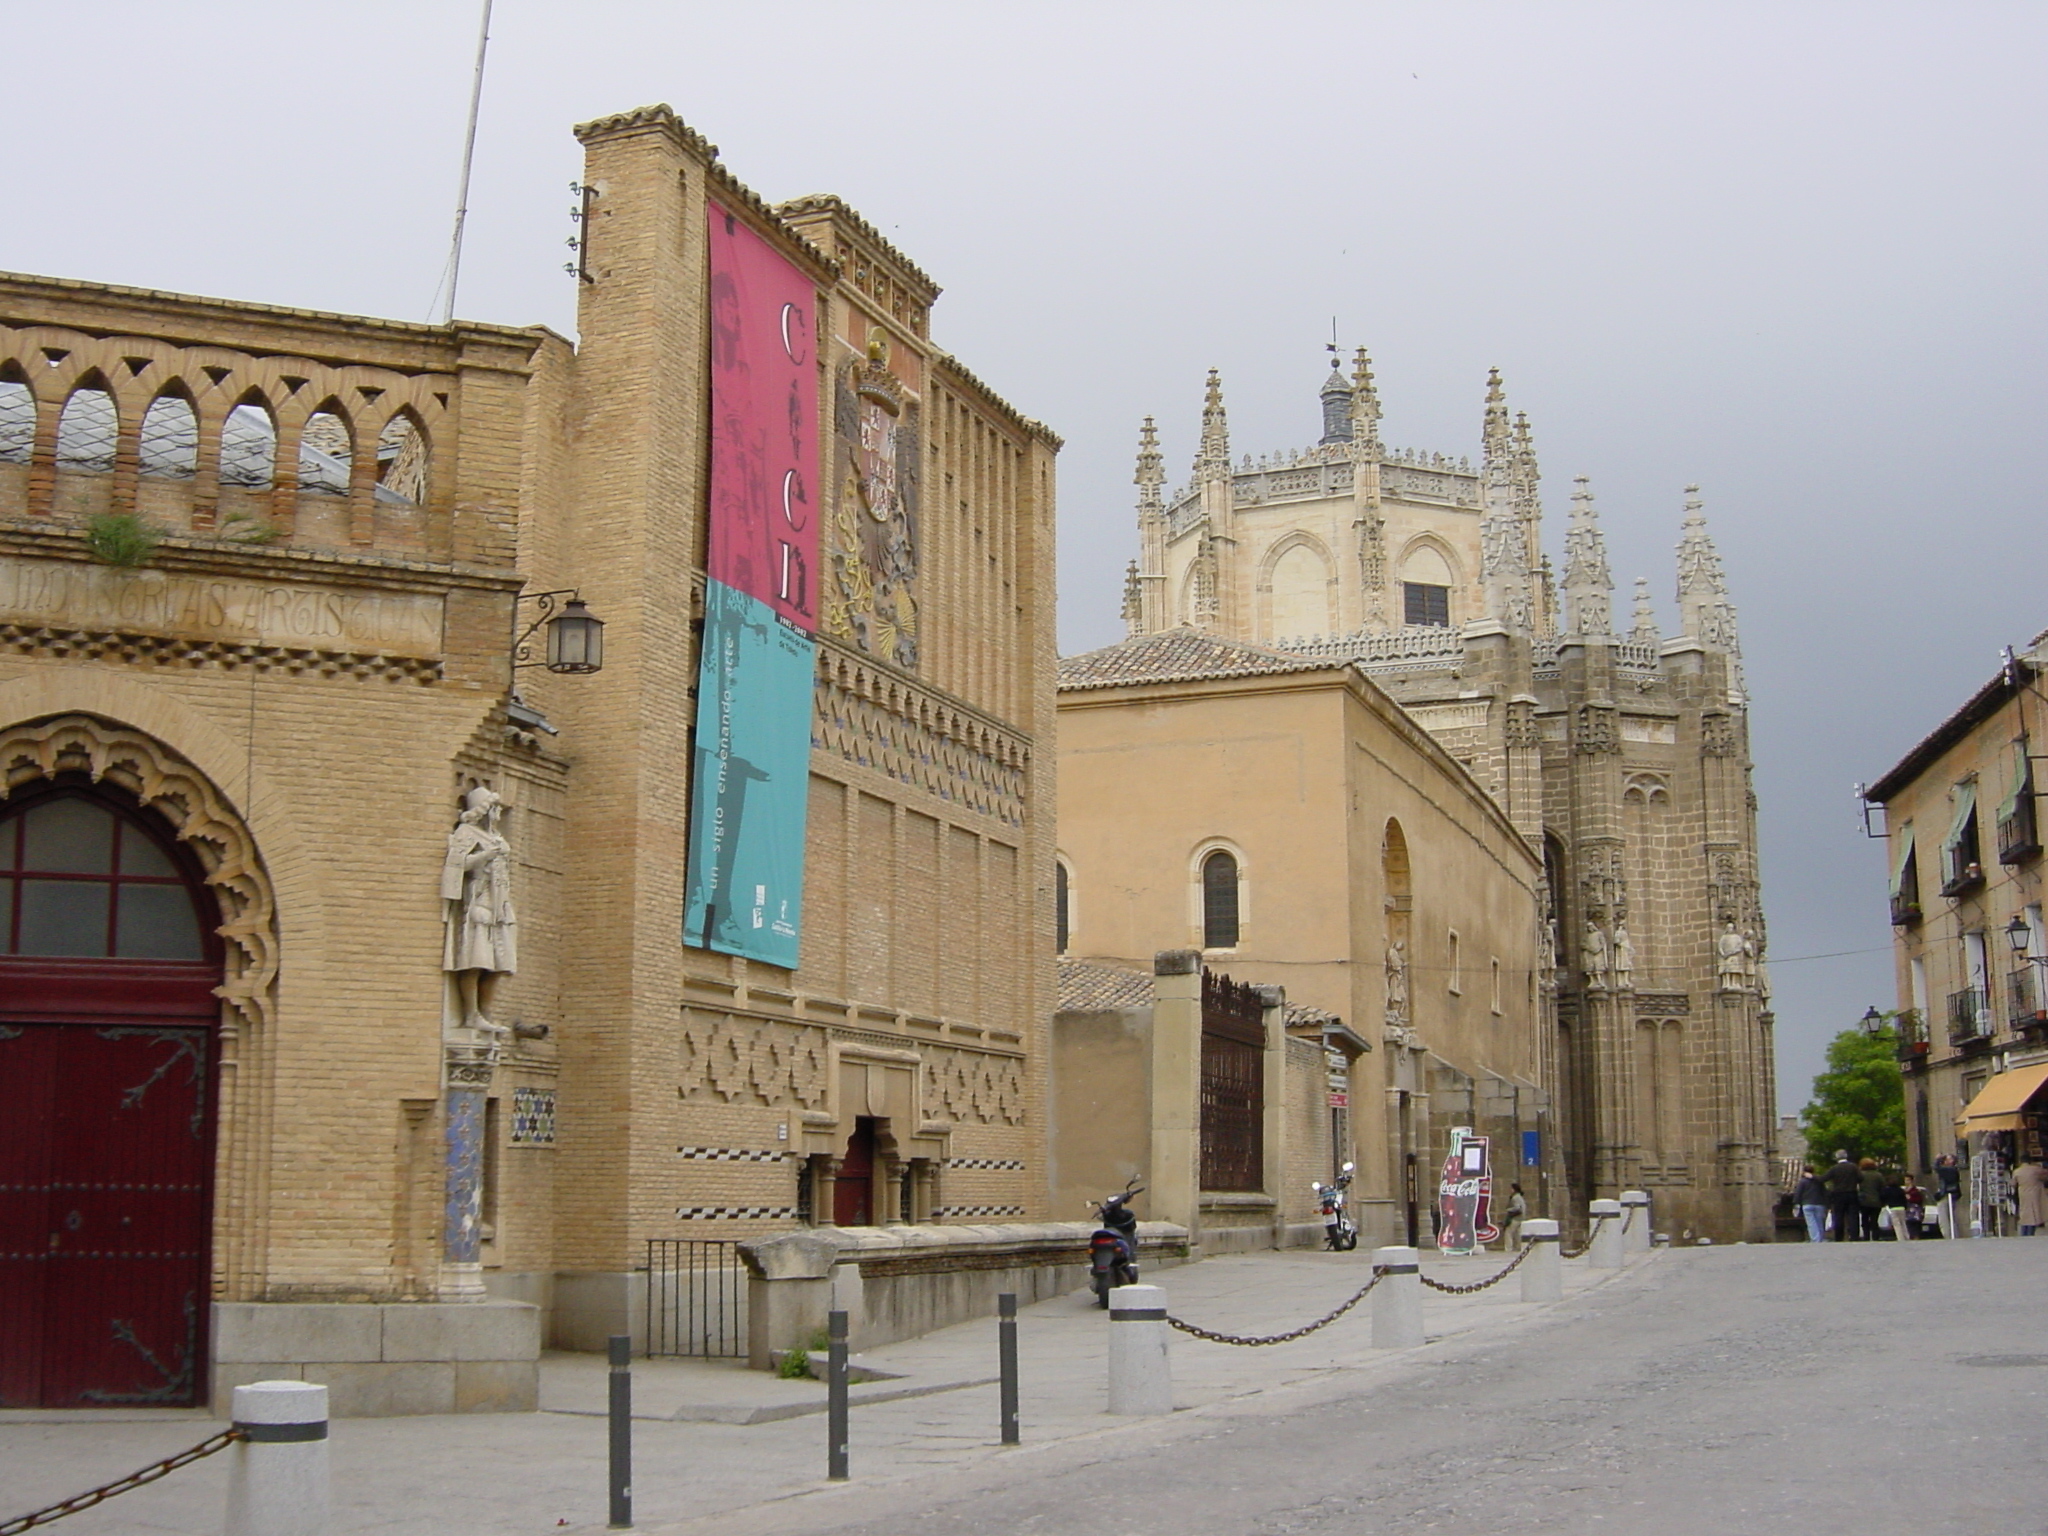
108 965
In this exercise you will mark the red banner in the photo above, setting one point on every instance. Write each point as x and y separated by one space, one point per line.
763 538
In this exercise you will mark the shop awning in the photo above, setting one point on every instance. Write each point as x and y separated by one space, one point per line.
1998 1104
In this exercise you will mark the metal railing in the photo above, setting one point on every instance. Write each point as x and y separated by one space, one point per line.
696 1298
2023 998
1911 1029
2019 836
1969 1015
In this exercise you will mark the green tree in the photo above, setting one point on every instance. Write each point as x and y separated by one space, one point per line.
1859 1103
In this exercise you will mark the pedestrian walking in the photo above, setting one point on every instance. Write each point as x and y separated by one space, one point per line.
1916 1208
1869 1196
1841 1181
2030 1186
1948 1189
1511 1229
1810 1199
1892 1220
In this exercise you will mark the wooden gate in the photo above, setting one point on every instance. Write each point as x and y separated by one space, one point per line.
108 965
1233 1086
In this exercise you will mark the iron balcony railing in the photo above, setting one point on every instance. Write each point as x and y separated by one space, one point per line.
1969 1015
1905 909
2023 998
2019 835
1911 1029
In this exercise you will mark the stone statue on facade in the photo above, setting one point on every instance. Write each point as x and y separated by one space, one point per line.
1546 950
482 941
1624 961
1397 980
1734 951
1593 957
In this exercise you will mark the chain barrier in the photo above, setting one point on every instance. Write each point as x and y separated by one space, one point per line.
1478 1285
105 1491
1563 1252
1378 1274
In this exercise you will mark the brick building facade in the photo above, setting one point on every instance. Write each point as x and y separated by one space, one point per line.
261 574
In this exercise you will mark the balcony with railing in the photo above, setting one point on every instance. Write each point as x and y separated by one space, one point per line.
2023 1009
1906 907
2019 833
1969 1017
1911 1027
1961 872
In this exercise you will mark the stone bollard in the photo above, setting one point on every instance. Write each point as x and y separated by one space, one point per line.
1397 1299
1635 1223
1605 1252
277 1484
1543 1270
1140 1373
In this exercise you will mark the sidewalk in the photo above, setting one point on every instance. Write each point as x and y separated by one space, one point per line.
712 1438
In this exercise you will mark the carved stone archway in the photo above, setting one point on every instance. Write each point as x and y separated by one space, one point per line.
201 816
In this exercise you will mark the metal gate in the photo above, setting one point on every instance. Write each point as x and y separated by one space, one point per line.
1233 1086
696 1298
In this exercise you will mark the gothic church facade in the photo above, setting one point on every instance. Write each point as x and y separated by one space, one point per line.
1621 756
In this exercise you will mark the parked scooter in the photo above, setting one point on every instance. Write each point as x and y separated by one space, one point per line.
1113 1248
1340 1232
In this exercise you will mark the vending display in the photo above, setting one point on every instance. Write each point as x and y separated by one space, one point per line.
1465 1195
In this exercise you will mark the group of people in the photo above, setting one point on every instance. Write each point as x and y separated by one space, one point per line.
1858 1202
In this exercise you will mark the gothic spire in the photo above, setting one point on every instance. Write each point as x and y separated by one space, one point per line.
1644 631
1504 551
1704 611
1588 585
1365 403
1212 458
1151 473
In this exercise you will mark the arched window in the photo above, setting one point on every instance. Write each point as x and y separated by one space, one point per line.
326 454
86 430
78 881
17 422
248 446
1219 900
170 439
402 462
1061 915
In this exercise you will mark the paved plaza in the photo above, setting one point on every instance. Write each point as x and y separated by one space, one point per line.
1864 1389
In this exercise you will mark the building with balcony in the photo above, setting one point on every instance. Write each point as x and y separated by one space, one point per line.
1961 818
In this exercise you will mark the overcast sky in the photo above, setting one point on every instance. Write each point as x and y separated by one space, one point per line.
1792 252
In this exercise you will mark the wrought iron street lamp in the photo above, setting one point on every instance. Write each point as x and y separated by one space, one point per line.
575 637
1872 1021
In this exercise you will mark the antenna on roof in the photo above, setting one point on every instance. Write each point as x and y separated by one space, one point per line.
476 97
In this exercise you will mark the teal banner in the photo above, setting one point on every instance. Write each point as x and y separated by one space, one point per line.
752 781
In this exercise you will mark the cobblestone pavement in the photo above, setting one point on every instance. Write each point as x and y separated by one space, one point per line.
1866 1389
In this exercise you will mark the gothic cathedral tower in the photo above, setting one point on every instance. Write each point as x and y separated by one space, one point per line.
1623 757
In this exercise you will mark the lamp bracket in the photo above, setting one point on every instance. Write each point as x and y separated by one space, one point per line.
522 653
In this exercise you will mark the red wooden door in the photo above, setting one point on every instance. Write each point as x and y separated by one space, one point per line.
853 1190
107 965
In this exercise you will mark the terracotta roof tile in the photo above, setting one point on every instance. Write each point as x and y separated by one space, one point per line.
1182 656
1089 988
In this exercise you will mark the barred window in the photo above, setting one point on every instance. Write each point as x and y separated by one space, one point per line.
1426 604
1059 906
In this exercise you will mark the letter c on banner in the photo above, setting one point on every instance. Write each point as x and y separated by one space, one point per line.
794 495
789 312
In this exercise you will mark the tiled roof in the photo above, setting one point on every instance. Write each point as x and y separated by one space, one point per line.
1181 656
1299 1014
1087 988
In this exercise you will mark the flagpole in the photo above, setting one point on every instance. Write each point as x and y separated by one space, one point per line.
476 98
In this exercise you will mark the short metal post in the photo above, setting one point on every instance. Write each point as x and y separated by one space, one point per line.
1140 1369
835 1397
1006 1358
1543 1269
619 1347
1397 1299
1635 1223
277 1477
1603 1248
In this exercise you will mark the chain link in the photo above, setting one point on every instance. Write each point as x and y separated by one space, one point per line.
105 1491
1478 1285
1587 1246
1378 1274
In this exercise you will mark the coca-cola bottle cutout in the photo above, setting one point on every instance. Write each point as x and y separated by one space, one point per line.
1465 1194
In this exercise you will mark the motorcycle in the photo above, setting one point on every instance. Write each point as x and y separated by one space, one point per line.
1340 1232
1113 1247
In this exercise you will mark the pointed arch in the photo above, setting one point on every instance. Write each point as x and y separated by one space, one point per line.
248 443
1297 590
17 414
88 426
327 450
404 459
169 446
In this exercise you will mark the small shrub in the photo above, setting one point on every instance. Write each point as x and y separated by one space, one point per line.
121 538
795 1364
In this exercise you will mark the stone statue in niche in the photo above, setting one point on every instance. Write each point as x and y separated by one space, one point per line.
1397 980
476 893
1734 951
1623 963
1593 957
